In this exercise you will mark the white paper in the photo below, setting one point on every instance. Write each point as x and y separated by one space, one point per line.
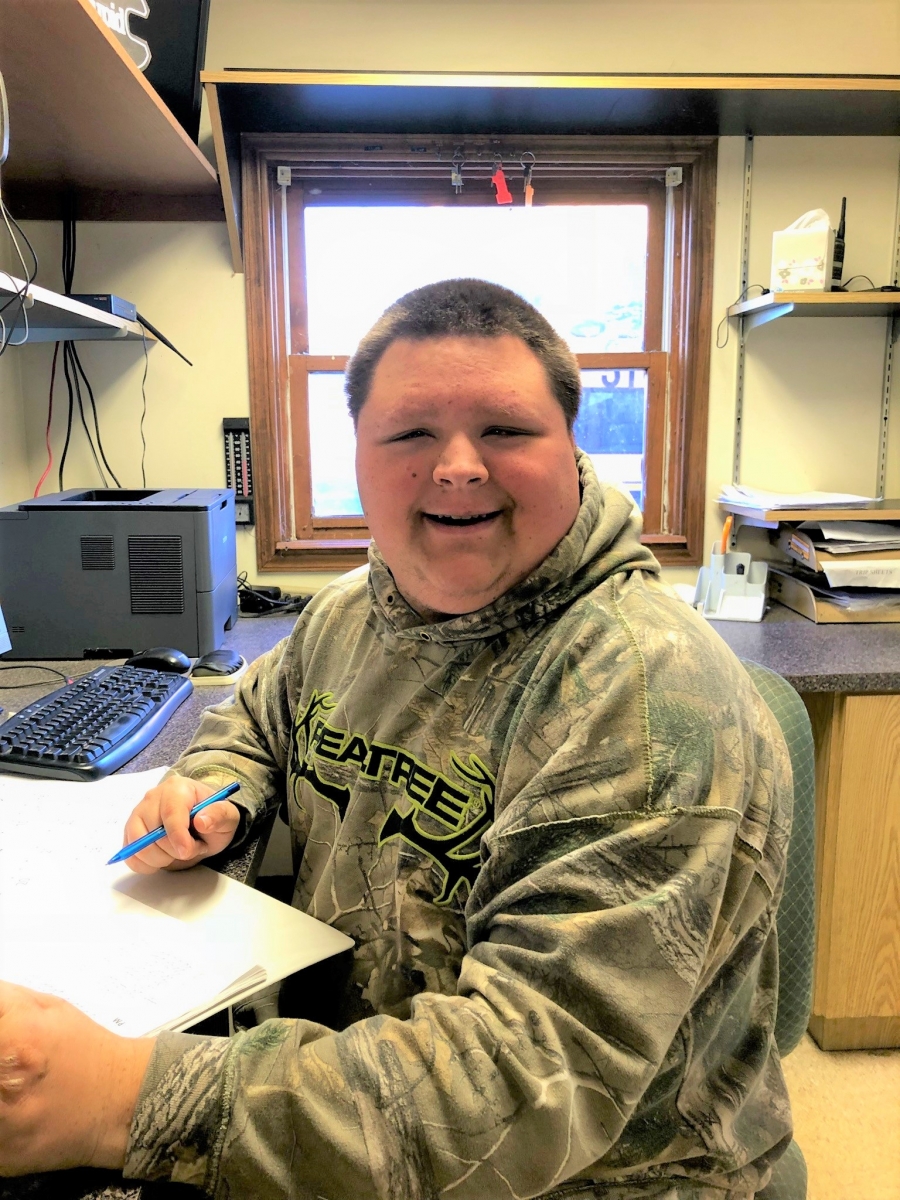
138 953
864 532
67 925
871 573
758 498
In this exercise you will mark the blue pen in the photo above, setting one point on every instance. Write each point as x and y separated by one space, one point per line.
156 834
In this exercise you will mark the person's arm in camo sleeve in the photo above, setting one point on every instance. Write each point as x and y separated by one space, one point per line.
246 738
615 1000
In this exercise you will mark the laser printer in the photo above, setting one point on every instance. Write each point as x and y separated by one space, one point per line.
107 572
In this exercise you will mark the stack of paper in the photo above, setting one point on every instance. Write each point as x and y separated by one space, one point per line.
138 953
757 498
854 537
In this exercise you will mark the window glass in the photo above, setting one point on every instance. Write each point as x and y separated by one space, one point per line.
611 424
332 443
610 428
583 266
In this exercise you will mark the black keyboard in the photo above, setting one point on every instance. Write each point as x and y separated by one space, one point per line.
93 725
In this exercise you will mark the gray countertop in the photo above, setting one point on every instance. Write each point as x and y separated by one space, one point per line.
819 658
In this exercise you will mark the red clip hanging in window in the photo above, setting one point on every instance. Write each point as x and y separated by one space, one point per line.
498 179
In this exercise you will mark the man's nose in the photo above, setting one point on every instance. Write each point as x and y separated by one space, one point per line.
459 463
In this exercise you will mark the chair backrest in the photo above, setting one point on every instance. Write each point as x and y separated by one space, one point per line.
796 913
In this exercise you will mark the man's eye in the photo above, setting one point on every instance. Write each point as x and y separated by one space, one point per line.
410 435
503 431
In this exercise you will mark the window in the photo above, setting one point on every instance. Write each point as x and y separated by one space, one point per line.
613 257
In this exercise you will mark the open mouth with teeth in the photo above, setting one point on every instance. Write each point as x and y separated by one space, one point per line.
459 522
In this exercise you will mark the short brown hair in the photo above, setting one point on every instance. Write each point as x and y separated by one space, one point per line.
465 308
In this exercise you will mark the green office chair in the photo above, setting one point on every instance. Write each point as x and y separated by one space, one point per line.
796 914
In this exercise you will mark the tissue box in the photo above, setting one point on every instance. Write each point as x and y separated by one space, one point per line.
802 260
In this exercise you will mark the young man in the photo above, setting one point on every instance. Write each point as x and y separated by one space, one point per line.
540 794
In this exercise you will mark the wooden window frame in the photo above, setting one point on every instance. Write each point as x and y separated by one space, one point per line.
288 537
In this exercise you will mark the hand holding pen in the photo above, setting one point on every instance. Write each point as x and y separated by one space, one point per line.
178 823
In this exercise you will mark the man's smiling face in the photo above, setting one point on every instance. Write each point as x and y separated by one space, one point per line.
466 468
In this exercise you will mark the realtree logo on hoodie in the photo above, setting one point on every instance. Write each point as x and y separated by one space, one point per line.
466 814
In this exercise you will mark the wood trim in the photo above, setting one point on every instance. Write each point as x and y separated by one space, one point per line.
297 298
656 241
655 441
640 359
855 1033
645 154
232 217
299 378
269 388
635 81
862 893
687 466
826 715
325 362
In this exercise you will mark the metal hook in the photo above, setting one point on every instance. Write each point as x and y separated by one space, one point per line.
456 166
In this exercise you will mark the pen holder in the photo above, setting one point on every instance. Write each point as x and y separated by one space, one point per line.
732 587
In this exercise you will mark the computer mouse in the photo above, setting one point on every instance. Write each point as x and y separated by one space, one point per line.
217 662
161 658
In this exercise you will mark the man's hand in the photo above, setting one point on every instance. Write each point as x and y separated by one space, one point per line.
170 804
68 1087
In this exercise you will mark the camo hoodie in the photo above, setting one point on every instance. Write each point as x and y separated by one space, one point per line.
556 830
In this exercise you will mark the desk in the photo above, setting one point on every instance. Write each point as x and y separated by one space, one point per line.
849 678
250 637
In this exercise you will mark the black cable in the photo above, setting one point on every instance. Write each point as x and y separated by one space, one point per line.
720 345
16 687
87 433
73 368
69 416
68 274
845 287
269 605
87 384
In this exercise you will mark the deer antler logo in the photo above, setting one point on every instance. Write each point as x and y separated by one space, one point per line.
457 854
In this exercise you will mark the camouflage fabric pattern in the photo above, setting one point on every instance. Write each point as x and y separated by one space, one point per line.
556 830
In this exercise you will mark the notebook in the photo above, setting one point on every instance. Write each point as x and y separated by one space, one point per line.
137 953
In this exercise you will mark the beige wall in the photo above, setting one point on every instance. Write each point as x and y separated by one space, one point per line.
813 387
862 36
13 456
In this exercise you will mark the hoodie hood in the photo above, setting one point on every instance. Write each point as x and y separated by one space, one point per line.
605 540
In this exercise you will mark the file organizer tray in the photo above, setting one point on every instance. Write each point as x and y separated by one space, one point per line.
731 588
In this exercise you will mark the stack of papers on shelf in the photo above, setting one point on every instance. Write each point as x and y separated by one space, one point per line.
137 953
751 497
846 562
854 537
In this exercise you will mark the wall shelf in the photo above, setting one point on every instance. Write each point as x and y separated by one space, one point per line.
56 318
86 126
759 310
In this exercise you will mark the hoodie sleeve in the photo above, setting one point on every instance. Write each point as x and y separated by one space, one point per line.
247 737
613 1015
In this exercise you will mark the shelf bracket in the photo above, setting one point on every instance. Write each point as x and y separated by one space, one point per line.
893 331
764 316
744 329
